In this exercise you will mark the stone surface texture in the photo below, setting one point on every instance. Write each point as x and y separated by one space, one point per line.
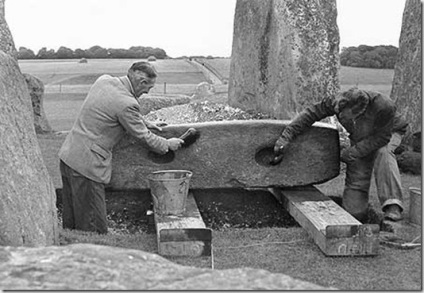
27 197
7 45
96 267
36 92
407 79
232 154
284 55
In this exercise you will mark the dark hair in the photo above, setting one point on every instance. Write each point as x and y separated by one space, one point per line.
145 67
354 98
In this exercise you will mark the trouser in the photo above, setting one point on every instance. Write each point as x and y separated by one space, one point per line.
387 179
84 205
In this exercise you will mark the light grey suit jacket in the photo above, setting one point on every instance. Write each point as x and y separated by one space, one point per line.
108 112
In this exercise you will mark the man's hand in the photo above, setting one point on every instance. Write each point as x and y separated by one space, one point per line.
174 143
158 126
280 144
346 155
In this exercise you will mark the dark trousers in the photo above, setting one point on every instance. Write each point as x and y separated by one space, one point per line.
84 204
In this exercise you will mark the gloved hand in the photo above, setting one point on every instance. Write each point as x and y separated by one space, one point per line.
174 143
280 144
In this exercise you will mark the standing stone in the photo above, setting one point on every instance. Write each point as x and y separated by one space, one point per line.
36 91
406 87
28 213
6 41
284 55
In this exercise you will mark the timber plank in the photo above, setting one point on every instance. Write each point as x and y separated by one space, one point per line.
335 231
183 235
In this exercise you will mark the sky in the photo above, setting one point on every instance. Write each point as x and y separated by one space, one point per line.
180 27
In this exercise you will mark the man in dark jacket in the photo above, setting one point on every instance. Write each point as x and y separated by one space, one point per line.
375 132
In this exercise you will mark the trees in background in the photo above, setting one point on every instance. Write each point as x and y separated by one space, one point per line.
93 52
369 56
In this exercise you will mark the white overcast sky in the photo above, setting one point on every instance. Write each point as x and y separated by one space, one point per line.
180 27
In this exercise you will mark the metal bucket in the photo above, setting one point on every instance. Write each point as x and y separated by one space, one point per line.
169 191
415 205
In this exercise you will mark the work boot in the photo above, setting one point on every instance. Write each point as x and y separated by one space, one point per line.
393 213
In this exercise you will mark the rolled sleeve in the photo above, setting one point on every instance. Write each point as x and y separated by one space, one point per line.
131 119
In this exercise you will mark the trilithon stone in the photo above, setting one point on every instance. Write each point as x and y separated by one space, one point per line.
284 55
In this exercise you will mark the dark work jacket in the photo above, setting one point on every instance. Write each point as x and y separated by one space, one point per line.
368 132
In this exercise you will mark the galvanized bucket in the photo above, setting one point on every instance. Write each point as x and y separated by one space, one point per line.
169 189
415 205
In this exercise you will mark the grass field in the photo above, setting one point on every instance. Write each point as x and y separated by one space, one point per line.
280 250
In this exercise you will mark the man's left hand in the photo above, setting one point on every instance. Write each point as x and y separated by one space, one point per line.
158 126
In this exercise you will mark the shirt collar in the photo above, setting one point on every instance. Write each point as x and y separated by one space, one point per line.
127 83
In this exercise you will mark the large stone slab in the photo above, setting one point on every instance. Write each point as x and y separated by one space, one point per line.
285 55
232 154
96 267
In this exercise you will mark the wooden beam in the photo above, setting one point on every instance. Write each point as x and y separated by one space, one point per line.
184 235
335 231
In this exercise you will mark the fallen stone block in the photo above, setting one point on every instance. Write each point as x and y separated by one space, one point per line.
97 267
232 154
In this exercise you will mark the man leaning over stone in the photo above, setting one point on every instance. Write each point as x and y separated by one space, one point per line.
375 131
109 111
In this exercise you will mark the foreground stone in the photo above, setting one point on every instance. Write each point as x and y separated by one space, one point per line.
284 55
27 198
96 267
232 154
407 79
36 91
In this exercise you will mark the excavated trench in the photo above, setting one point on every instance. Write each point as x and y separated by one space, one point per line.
129 211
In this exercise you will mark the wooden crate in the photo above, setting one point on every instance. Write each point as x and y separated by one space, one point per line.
335 231
184 235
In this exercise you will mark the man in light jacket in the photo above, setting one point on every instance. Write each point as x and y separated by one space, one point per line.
109 111
375 130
